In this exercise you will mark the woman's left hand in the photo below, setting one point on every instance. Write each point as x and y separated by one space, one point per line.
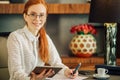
69 73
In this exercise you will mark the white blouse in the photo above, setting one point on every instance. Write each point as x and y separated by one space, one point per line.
23 54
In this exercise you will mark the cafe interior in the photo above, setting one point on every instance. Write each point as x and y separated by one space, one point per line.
104 15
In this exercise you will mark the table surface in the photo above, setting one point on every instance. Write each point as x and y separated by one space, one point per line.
89 74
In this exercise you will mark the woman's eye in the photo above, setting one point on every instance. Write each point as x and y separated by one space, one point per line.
33 15
41 15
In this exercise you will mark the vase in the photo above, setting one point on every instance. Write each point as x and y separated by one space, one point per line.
83 45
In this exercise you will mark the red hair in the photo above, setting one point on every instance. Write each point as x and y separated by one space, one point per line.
43 43
34 2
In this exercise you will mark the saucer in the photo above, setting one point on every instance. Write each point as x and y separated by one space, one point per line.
101 77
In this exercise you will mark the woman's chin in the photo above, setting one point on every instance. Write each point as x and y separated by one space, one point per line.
37 27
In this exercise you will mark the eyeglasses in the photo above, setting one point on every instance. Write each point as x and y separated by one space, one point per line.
34 16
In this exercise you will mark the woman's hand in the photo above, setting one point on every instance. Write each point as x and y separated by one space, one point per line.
42 75
49 73
69 73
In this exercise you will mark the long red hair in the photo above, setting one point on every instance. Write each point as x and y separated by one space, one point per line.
43 43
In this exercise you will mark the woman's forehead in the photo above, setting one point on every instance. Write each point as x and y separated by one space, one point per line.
38 8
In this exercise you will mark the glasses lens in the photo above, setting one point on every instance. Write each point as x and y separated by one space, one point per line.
34 16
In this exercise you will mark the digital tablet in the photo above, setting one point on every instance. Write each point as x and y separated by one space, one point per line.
38 70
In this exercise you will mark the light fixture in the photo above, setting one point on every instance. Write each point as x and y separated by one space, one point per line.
107 12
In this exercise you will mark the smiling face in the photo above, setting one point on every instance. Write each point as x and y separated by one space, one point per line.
35 17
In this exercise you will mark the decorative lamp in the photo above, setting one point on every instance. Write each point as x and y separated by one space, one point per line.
107 12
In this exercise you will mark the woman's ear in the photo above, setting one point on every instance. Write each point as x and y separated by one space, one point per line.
46 18
24 16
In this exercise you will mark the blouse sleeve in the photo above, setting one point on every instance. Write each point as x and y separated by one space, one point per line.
55 59
15 67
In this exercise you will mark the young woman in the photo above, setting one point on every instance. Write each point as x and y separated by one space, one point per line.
31 46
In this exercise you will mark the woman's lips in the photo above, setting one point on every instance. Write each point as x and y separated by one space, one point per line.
37 24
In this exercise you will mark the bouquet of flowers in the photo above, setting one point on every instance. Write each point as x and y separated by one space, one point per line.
83 29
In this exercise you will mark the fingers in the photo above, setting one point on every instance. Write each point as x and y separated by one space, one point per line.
69 73
41 75
45 73
33 76
72 76
49 73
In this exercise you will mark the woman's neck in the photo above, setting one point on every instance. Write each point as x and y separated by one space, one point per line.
34 32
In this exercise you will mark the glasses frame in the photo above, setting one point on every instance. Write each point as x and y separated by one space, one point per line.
34 16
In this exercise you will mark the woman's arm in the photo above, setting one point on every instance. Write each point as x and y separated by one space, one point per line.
55 59
14 59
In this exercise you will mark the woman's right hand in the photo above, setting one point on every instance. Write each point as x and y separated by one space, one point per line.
42 75
38 76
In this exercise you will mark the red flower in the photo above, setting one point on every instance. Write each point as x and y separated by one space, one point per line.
83 29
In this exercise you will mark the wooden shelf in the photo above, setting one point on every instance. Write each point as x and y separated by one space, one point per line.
87 63
69 8
53 8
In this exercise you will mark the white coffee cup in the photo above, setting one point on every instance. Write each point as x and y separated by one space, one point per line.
102 71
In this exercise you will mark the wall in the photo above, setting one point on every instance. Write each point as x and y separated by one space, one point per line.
10 22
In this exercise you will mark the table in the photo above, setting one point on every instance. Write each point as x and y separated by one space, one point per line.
84 75
89 74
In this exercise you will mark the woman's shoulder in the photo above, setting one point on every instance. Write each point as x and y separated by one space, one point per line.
50 41
48 37
16 33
